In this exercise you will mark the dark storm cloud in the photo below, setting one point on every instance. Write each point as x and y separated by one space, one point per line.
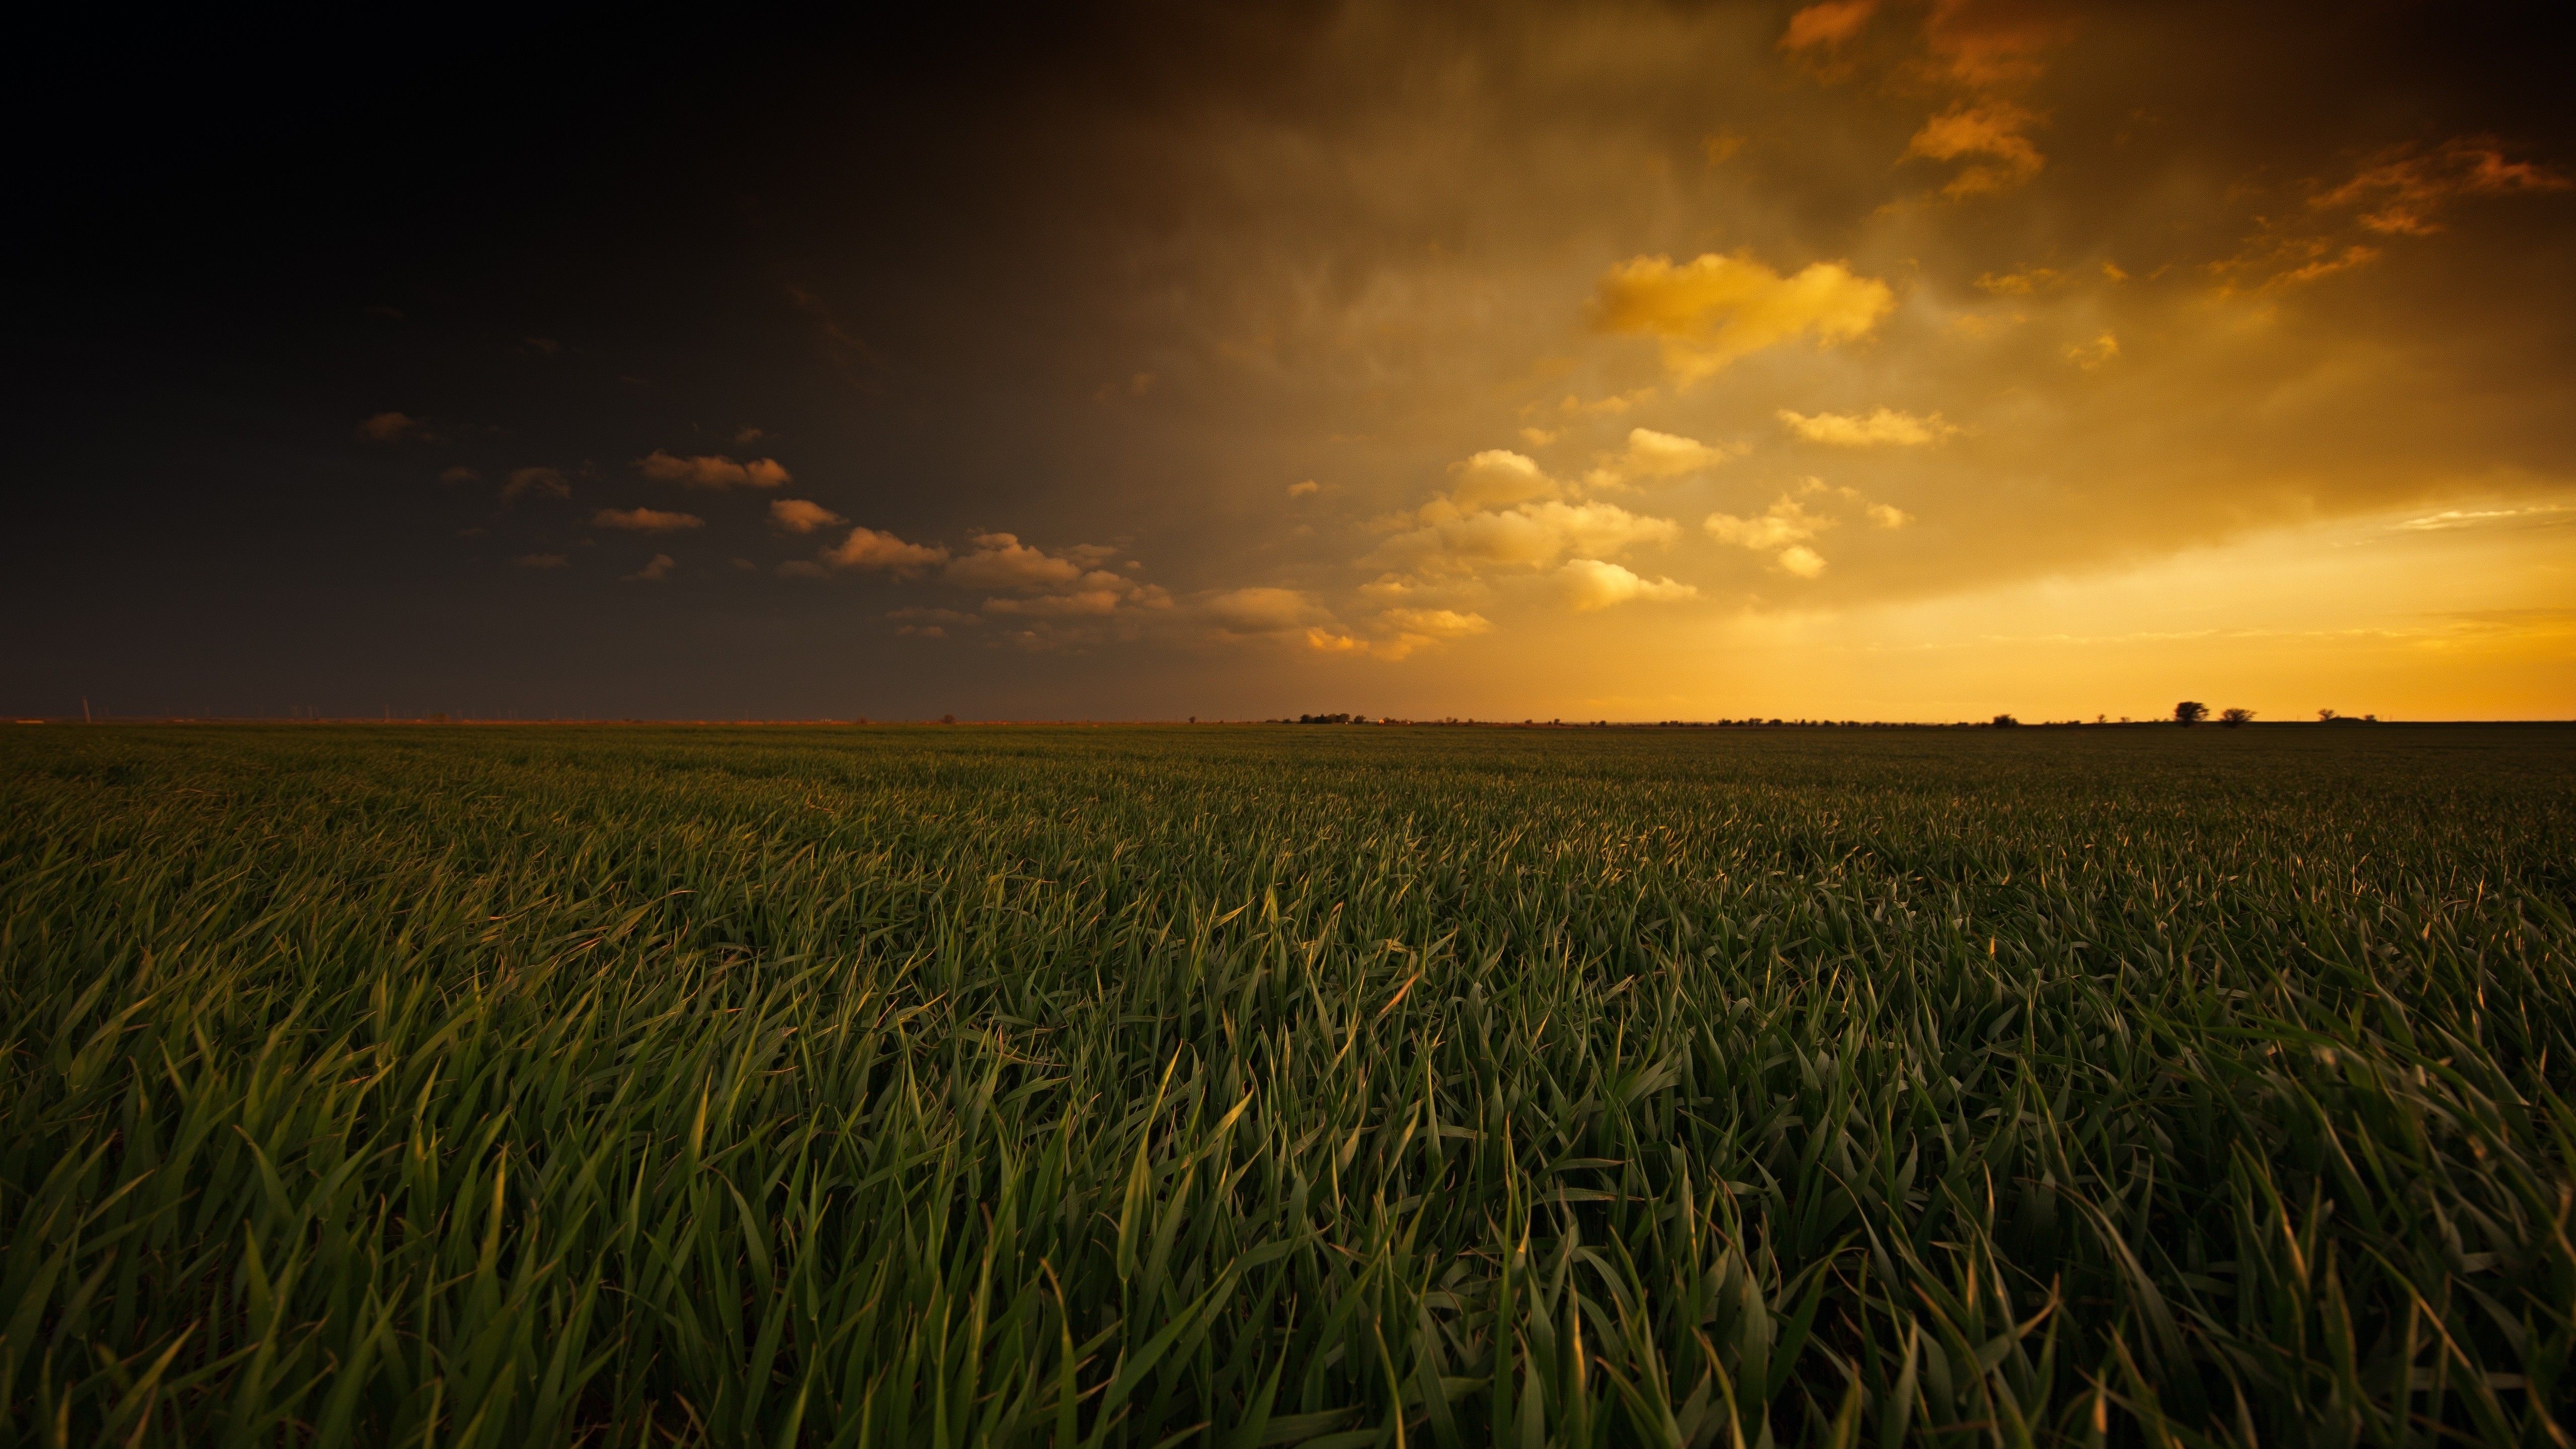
2160 275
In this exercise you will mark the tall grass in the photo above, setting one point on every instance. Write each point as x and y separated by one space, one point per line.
1343 1088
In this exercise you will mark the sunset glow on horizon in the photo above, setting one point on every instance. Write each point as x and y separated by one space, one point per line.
1896 361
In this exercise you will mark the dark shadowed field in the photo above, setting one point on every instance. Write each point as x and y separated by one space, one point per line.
1244 1086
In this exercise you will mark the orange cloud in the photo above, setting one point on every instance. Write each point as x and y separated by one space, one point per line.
2400 193
712 471
1711 310
646 520
1990 42
868 548
1827 24
1261 610
1990 129
392 427
1001 561
797 515
655 570
2090 355
544 482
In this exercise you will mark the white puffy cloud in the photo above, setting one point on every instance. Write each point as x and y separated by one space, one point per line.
869 548
1885 427
1589 583
712 471
1713 309
798 515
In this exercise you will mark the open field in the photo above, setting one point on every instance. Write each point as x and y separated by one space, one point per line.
1270 1085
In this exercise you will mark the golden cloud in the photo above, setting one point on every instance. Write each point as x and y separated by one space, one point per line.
1714 309
1783 523
1990 129
1532 535
1590 583
1885 427
1261 610
645 520
1651 454
712 471
1498 478
1401 633
655 570
1611 406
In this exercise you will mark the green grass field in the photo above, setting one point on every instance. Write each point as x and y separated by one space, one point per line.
1245 1086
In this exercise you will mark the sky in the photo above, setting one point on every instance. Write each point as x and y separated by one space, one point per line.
1901 361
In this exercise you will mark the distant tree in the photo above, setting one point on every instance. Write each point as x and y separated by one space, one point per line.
2190 712
2005 722
2233 717
948 719
2325 716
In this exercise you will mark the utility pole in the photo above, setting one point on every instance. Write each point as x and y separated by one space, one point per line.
85 719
